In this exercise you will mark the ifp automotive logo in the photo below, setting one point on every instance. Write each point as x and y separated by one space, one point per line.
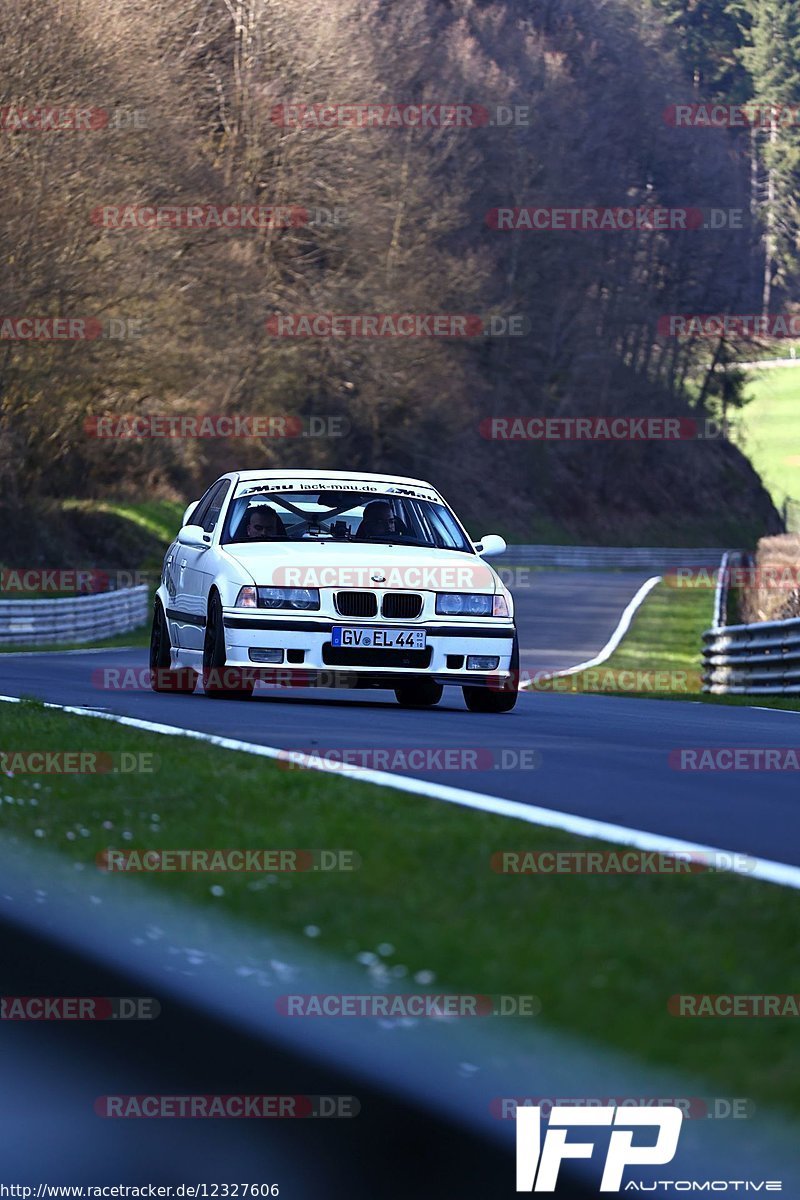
538 1164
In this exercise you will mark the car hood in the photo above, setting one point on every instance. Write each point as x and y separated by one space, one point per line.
354 565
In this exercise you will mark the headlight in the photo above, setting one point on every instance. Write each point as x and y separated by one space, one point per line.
471 604
297 598
463 604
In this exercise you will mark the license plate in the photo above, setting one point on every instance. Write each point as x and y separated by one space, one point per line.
379 639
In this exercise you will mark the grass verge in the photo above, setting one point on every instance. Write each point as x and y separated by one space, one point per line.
768 430
603 953
160 518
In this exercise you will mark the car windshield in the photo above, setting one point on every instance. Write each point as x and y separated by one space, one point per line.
378 517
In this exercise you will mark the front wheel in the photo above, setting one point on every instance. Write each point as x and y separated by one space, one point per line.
424 693
219 681
162 677
500 700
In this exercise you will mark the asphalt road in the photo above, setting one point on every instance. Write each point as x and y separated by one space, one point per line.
565 617
598 756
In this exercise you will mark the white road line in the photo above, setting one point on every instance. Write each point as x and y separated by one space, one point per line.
616 637
782 874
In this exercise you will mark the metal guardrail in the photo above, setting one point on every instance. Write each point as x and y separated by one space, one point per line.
73 618
761 658
647 558
758 659
730 560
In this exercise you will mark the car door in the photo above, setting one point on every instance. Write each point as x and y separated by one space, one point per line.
200 568
187 614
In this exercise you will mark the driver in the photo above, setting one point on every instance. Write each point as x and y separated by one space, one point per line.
379 521
262 522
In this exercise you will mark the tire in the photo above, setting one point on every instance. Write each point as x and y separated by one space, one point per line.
489 700
162 677
221 682
423 693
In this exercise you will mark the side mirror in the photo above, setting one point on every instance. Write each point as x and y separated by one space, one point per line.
194 535
189 511
490 545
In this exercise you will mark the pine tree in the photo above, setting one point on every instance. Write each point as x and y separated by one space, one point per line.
770 55
709 36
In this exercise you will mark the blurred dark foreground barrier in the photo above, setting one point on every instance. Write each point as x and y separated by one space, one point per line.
424 1125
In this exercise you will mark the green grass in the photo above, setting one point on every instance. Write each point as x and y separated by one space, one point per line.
768 430
666 634
602 953
158 517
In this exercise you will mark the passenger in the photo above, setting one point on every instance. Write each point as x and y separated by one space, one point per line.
379 521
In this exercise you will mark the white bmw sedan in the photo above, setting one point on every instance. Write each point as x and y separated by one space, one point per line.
326 578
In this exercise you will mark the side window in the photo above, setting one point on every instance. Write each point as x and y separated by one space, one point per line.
235 524
199 514
445 529
424 523
210 517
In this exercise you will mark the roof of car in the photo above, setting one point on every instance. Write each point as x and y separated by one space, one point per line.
326 474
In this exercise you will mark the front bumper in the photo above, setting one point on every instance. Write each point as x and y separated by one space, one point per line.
307 652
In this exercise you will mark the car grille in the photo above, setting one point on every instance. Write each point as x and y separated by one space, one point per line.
357 604
403 605
351 656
